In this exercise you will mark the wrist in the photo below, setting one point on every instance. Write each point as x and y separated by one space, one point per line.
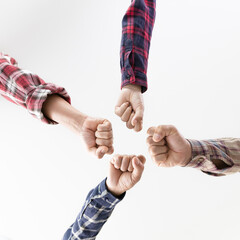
133 87
188 155
75 121
113 190
60 111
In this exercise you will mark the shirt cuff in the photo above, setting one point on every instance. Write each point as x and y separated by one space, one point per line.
8 59
106 199
134 77
201 159
133 66
37 96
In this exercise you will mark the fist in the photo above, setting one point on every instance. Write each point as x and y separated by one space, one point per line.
125 171
97 135
130 107
167 147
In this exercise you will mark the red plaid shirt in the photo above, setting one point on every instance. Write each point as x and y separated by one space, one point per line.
137 26
26 89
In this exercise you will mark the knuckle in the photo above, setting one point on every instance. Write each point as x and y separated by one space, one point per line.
154 150
109 134
172 126
158 129
148 140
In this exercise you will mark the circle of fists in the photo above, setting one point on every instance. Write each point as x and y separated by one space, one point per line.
166 146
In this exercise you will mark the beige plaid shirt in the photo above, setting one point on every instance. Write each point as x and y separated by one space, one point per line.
217 157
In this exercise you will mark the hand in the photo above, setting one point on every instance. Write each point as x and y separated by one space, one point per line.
97 135
130 107
167 147
125 171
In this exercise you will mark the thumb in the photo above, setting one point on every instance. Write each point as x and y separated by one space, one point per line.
163 131
138 168
138 116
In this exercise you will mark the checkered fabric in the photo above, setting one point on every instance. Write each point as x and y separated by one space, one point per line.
26 89
137 26
96 210
205 152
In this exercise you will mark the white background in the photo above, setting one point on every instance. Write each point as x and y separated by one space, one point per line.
193 75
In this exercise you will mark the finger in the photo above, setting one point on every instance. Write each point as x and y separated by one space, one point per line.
129 124
101 151
117 162
138 168
160 159
138 117
110 150
126 115
119 110
130 167
105 126
105 135
113 160
156 150
142 159
138 126
151 131
125 163
150 142
163 131
104 142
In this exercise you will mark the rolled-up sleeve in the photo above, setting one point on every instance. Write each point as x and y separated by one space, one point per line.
217 157
26 89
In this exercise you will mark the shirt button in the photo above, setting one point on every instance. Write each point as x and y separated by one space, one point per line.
128 76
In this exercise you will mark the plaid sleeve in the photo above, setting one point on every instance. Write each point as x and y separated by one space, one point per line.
205 154
26 89
97 209
137 26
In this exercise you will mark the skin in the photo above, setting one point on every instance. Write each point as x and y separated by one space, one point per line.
130 107
96 132
124 172
167 147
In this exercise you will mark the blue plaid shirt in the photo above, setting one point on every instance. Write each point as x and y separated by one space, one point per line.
96 210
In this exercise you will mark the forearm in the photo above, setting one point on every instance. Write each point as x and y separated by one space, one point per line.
97 209
217 157
59 110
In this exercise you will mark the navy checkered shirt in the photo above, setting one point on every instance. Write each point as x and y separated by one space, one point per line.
95 212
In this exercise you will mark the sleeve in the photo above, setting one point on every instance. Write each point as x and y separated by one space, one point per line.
96 210
26 89
137 26
218 157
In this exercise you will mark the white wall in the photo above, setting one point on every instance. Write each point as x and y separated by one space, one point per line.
46 172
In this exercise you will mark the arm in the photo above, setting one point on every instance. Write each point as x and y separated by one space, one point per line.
217 157
137 26
124 173
51 104
97 209
26 89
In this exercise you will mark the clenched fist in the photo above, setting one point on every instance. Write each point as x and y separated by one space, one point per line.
130 107
167 147
125 171
97 135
